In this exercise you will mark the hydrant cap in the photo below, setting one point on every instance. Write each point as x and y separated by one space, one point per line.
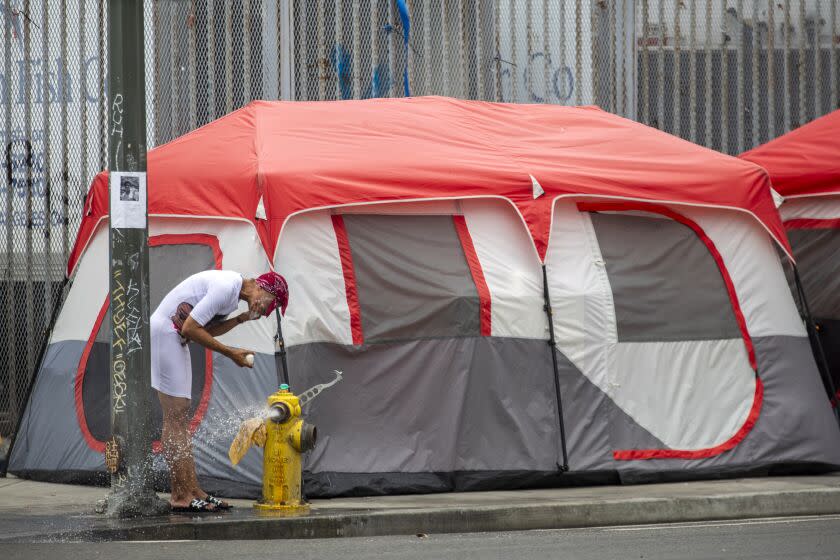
284 387
280 412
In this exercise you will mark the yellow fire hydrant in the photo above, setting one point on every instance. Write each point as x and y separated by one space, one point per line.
284 435
287 436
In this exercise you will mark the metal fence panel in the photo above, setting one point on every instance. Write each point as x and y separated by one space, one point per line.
53 141
733 74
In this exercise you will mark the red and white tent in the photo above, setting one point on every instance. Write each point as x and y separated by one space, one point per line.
804 167
420 238
296 157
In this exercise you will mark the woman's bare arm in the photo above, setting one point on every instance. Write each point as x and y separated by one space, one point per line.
218 329
196 333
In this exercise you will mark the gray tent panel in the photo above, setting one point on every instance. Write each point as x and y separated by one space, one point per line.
595 425
817 253
49 437
96 384
796 421
103 335
666 285
412 278
433 415
795 426
436 405
455 414
171 264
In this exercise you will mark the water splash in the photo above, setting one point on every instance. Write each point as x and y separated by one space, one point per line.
224 427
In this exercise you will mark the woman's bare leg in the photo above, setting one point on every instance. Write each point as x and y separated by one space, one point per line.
177 450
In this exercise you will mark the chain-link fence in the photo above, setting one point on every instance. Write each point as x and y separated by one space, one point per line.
53 141
529 51
729 74
206 58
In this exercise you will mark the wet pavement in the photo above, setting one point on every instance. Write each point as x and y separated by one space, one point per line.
42 512
765 539
87 525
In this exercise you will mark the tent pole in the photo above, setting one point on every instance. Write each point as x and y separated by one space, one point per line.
280 352
551 344
59 300
814 336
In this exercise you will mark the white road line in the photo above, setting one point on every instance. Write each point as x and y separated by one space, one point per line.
155 542
762 521
658 527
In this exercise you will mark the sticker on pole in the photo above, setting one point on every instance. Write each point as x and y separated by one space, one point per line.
128 199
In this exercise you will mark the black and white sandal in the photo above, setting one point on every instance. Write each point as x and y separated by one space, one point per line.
217 502
196 506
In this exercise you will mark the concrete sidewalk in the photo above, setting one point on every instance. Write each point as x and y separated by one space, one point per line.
32 511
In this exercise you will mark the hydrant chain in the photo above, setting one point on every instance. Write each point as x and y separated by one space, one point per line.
308 395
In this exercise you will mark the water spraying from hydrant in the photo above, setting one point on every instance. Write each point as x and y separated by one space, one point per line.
285 436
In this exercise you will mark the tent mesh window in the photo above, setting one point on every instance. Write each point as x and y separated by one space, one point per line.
169 265
412 278
816 252
666 285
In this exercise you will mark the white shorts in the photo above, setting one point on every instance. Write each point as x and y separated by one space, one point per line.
171 365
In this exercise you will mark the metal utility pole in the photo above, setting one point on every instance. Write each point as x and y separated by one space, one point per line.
128 454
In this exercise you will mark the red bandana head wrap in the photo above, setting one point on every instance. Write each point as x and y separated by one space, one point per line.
276 285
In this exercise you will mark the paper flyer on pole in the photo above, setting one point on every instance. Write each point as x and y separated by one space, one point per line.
128 199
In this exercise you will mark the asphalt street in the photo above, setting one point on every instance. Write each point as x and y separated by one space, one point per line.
765 539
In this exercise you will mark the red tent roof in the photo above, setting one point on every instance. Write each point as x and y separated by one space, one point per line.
805 161
303 155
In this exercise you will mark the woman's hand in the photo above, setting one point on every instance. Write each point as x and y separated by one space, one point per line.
240 357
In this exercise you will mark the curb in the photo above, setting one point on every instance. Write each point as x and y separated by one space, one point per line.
370 523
